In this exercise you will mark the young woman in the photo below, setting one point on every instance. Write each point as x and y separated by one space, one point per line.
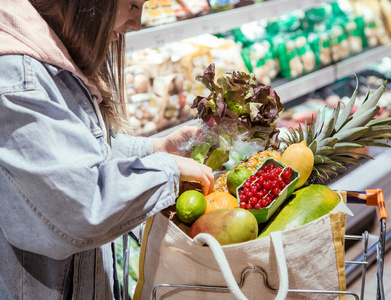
70 181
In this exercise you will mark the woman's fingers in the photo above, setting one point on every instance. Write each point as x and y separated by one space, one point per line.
190 170
207 181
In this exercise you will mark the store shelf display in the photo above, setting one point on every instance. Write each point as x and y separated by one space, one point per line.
287 58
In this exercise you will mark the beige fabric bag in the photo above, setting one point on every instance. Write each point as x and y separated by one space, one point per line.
308 257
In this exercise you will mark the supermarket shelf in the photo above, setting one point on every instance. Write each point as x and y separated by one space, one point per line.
360 62
292 89
213 23
289 90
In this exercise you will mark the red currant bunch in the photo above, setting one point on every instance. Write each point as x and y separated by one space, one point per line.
261 188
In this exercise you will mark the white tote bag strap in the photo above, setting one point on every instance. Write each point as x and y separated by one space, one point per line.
218 253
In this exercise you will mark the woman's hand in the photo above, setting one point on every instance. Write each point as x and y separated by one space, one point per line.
191 170
174 140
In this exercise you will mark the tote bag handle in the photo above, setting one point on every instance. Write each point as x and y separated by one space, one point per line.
218 253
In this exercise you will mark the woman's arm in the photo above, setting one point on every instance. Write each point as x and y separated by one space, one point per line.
53 167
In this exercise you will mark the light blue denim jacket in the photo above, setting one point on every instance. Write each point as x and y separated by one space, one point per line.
65 194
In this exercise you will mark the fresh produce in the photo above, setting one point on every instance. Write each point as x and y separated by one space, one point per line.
299 157
227 226
264 186
190 206
237 109
218 200
305 205
332 142
316 151
252 163
236 178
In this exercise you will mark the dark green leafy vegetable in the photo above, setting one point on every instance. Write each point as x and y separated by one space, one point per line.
238 108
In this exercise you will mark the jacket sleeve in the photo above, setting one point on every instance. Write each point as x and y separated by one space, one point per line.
126 145
59 194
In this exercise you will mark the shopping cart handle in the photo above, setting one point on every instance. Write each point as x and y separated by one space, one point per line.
370 198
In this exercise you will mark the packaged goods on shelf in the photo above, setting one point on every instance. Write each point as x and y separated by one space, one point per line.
189 60
185 9
218 5
247 2
261 61
155 91
248 33
338 43
355 31
305 53
157 12
225 53
257 52
320 44
161 82
375 30
385 12
291 65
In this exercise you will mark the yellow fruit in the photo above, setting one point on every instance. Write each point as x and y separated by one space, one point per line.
299 157
190 206
236 178
251 164
218 200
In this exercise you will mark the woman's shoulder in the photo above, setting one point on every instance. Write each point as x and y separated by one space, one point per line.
20 72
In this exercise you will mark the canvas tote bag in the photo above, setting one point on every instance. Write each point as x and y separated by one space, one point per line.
309 257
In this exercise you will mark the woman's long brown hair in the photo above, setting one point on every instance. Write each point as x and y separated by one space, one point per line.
85 28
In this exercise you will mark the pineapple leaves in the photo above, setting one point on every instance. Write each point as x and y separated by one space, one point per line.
331 141
373 100
350 135
346 146
313 146
346 159
326 132
301 133
379 121
325 150
361 119
377 131
354 155
309 134
372 143
348 109
320 160
319 122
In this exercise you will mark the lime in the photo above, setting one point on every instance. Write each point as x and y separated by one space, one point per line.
190 206
236 177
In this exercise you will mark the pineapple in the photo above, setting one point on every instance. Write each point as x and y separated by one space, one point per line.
333 143
251 164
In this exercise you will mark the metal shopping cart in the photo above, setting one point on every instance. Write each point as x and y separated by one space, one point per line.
370 254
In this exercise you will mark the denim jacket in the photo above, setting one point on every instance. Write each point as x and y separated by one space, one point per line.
65 194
